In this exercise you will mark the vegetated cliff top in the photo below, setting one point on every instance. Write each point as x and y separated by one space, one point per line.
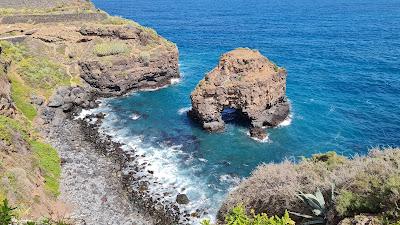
29 168
362 185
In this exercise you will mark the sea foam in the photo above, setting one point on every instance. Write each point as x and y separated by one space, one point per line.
184 110
171 169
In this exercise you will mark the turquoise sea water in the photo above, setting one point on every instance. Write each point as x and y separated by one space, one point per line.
343 63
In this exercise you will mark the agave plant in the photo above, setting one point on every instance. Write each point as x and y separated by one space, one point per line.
317 205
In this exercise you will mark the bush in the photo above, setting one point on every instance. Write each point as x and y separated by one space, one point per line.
6 213
238 216
368 184
110 48
371 194
10 126
144 57
12 52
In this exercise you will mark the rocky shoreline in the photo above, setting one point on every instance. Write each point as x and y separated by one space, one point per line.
90 157
91 181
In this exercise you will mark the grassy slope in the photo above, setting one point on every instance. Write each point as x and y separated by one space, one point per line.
28 75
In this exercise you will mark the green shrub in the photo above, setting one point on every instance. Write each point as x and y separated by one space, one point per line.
144 57
41 73
331 159
6 213
9 126
32 74
12 51
238 216
49 163
371 194
110 48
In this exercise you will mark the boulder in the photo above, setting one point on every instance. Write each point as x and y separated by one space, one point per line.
56 101
258 133
68 97
182 199
246 81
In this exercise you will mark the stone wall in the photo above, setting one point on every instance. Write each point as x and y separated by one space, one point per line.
53 18
38 4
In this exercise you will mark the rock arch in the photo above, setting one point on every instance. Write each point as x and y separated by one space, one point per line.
244 80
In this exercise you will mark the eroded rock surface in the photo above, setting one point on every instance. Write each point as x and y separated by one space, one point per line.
113 56
153 65
7 107
246 81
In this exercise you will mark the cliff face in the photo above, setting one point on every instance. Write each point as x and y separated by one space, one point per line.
246 81
7 107
113 56
151 65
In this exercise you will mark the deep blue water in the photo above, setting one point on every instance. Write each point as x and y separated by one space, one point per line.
343 63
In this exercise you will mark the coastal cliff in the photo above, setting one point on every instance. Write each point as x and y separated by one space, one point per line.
58 58
247 82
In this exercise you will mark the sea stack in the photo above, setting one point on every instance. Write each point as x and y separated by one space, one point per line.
248 82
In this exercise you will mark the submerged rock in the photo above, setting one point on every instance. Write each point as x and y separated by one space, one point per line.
246 81
258 133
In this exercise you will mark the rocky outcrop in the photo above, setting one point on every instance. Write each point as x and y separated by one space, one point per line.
7 107
121 74
112 59
246 81
67 98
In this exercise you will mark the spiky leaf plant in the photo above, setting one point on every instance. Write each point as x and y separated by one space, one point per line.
317 205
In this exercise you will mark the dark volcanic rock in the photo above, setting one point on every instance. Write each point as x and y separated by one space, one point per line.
150 68
182 199
129 74
246 81
67 98
258 133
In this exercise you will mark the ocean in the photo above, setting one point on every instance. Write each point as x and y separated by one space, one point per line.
343 63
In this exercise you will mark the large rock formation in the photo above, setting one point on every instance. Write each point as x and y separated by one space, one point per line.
113 56
246 81
153 65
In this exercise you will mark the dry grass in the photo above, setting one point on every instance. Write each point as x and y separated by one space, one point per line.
272 188
110 48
